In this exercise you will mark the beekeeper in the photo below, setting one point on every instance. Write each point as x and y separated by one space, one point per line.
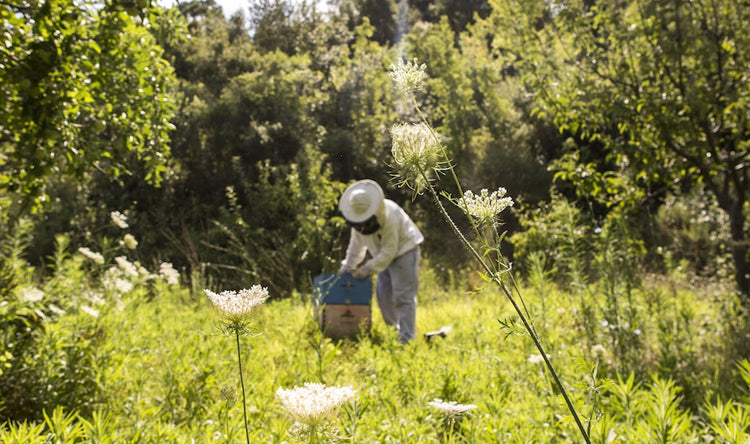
382 228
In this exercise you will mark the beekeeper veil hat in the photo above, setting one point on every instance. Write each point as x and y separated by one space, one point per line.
361 200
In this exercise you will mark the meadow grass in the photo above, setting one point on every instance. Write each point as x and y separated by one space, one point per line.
167 374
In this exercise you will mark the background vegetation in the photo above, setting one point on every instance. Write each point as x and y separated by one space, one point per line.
619 127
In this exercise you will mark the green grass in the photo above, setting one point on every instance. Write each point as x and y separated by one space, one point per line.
167 374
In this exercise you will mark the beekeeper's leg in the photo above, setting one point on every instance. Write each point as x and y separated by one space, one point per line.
403 283
384 292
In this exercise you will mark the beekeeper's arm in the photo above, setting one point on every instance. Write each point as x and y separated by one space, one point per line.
383 257
355 252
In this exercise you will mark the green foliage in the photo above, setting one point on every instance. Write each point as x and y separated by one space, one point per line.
69 73
171 381
692 231
657 86
48 366
53 330
562 234
289 235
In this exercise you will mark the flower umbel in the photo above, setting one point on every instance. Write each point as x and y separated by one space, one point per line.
452 409
167 271
119 219
408 77
96 257
486 205
417 153
236 306
314 403
129 241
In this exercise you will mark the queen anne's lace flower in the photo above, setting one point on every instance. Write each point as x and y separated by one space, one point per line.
90 311
599 351
167 271
130 242
314 402
485 206
237 305
452 408
119 219
127 268
408 77
96 257
536 359
416 152
32 294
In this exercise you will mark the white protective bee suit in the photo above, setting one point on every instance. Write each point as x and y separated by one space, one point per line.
382 228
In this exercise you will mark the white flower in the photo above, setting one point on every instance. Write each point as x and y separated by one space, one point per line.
313 402
167 271
598 350
129 241
32 294
123 285
119 219
94 298
536 359
56 310
485 206
408 77
91 311
452 408
417 153
126 267
114 281
96 257
236 306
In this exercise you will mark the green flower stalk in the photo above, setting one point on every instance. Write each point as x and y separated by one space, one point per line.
313 406
236 309
417 150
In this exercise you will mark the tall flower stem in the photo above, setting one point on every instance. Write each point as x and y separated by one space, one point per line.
416 159
242 386
495 277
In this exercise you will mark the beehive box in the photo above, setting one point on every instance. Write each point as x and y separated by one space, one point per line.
342 305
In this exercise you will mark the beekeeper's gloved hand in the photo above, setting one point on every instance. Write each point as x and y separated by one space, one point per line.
361 272
345 269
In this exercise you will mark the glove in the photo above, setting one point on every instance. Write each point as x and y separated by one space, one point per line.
361 272
345 269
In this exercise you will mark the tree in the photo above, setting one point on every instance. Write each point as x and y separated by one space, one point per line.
664 85
83 88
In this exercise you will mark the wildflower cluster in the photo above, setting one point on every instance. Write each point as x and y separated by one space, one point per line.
417 153
451 409
408 77
124 274
485 206
314 403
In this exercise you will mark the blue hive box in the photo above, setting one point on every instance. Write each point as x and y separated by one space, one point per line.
331 289
342 305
